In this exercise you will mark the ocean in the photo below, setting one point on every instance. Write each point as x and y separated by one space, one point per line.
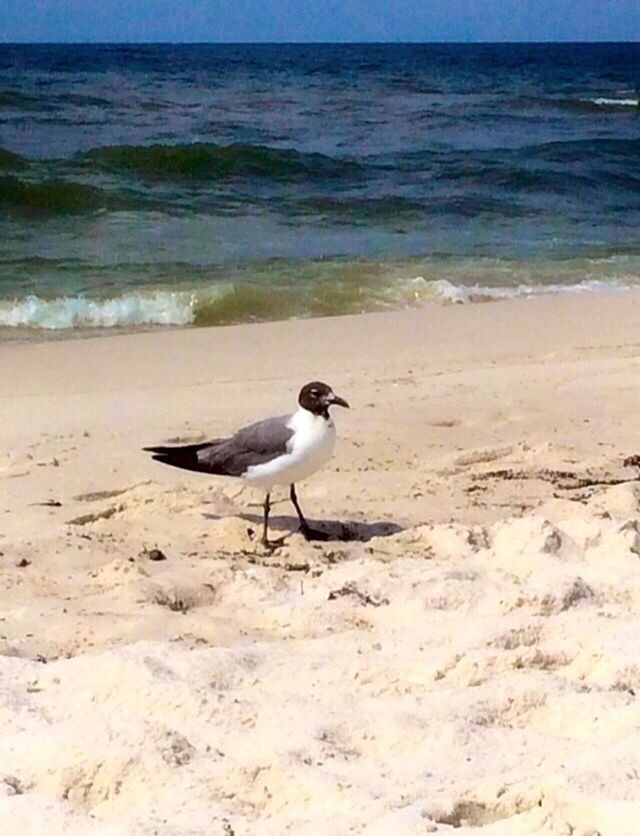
179 185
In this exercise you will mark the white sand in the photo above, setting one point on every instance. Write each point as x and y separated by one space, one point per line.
470 666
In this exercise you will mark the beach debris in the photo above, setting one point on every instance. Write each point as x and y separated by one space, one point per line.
48 463
364 597
335 556
483 456
85 519
23 563
96 496
173 604
153 554
13 785
295 565
178 750
566 480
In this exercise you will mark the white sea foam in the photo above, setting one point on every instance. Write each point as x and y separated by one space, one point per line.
448 292
603 101
182 307
160 308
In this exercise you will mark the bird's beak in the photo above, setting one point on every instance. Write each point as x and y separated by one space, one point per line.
335 400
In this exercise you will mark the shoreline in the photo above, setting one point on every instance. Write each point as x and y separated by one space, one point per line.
33 335
244 303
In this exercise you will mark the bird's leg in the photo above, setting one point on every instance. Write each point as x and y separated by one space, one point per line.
265 524
305 529
268 544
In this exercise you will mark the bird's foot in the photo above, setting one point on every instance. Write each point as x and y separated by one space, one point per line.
313 533
272 545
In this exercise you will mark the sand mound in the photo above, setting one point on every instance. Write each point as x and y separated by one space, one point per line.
442 678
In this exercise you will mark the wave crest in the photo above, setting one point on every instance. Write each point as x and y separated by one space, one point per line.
55 197
9 160
203 161
66 312
227 304
445 291
603 102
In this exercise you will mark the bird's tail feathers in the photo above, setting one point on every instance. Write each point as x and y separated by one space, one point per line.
185 457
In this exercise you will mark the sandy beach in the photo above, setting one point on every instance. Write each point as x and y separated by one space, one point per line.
461 657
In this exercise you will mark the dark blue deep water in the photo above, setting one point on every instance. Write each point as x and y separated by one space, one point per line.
221 183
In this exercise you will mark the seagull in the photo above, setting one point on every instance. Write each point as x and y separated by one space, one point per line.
275 451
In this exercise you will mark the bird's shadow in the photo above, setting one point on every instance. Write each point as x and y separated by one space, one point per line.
333 530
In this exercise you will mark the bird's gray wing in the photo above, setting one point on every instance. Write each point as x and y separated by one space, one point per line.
256 444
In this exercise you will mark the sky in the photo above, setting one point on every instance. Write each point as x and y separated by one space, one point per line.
318 20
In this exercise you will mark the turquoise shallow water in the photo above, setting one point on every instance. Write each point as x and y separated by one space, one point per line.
160 185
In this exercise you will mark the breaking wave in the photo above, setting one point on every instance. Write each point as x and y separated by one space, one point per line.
606 103
229 304
446 291
595 104
162 308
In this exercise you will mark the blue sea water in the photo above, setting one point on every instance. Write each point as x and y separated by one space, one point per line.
206 184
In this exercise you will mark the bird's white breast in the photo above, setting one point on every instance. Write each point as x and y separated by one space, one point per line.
309 448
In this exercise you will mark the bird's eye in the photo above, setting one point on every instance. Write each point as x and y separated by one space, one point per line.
314 392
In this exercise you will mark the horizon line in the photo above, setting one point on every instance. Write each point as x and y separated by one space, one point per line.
317 43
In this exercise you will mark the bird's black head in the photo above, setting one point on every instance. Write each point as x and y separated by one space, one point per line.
317 397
